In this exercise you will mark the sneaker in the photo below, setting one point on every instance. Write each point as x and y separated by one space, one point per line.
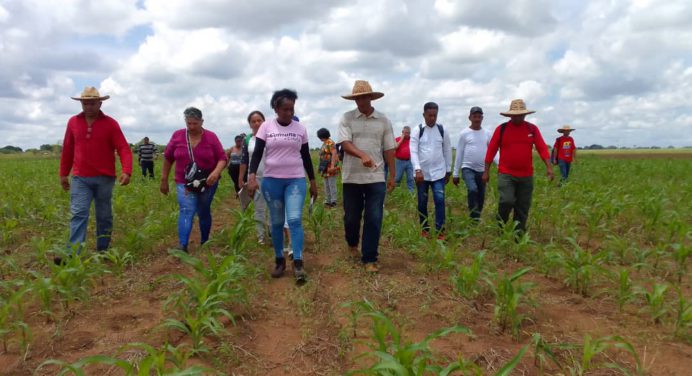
279 268
372 267
299 273
354 252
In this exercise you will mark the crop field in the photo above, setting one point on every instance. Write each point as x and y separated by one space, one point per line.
600 285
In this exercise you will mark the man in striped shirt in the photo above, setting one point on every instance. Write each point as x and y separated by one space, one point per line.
147 152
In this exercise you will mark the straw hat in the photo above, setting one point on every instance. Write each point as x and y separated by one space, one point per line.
361 88
517 107
90 92
565 128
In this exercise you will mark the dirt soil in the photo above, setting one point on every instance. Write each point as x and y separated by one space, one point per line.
289 330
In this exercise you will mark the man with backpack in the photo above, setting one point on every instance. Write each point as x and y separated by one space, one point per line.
431 156
515 139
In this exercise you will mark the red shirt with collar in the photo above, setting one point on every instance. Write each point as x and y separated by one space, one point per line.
404 149
516 150
565 148
92 153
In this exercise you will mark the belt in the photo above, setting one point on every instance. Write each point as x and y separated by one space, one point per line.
404 159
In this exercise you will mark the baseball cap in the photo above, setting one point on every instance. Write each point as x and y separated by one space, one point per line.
475 109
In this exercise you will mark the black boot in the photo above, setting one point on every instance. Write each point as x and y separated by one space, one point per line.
279 268
299 272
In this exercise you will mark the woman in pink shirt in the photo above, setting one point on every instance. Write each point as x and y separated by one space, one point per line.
286 161
209 156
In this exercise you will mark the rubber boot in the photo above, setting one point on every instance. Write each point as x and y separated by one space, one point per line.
279 268
299 272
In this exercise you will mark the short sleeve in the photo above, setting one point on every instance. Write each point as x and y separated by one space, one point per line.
345 133
262 131
305 135
388 141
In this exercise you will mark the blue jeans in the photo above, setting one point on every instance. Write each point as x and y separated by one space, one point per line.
285 199
82 191
365 199
192 203
564 168
438 189
404 165
475 191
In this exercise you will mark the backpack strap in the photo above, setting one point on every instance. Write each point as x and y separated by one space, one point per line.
439 128
502 132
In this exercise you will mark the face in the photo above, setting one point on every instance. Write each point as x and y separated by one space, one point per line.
285 111
255 122
364 103
406 133
476 118
91 107
517 118
430 116
146 141
238 141
193 124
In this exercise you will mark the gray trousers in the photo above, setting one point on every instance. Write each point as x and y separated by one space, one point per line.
515 195
330 190
261 218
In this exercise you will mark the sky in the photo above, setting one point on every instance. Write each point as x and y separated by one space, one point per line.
618 71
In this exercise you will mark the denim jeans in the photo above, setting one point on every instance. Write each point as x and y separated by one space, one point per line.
405 166
82 191
192 203
285 199
330 190
515 195
360 199
564 168
475 189
438 189
147 166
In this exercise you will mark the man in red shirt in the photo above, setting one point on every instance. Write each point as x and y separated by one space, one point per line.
515 139
403 159
91 138
564 152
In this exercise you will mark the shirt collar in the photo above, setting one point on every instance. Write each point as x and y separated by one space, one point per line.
81 114
374 115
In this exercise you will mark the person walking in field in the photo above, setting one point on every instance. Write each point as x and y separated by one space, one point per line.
190 149
91 140
234 156
287 161
403 159
564 152
147 152
431 156
255 119
329 166
368 141
515 140
470 157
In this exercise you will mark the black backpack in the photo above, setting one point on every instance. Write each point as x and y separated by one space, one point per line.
439 128
340 151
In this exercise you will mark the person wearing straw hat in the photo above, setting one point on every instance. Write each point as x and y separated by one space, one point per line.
368 142
91 138
515 140
564 152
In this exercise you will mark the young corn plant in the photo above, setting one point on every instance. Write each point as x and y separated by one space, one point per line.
12 295
119 260
683 318
544 351
204 297
317 222
580 267
656 302
75 277
473 280
625 292
510 295
681 253
592 350
394 356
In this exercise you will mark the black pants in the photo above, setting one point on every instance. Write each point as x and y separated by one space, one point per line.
147 166
234 172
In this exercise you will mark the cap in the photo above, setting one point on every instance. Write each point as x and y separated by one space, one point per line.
475 109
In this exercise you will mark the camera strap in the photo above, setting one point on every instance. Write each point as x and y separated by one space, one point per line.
189 147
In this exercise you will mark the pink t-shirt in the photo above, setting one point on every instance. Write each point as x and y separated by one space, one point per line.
207 153
282 151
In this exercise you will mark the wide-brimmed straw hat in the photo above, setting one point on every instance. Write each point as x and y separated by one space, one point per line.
362 88
565 128
90 92
517 107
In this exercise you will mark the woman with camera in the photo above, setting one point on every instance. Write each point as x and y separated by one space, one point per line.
199 160
284 143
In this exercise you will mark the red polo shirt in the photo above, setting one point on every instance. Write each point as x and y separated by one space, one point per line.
404 149
516 150
93 153
565 148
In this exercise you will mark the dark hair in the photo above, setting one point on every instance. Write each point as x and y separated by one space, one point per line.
255 113
282 95
430 106
323 133
193 112
238 138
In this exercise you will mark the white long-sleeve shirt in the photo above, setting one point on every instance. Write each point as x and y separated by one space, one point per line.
471 150
431 153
